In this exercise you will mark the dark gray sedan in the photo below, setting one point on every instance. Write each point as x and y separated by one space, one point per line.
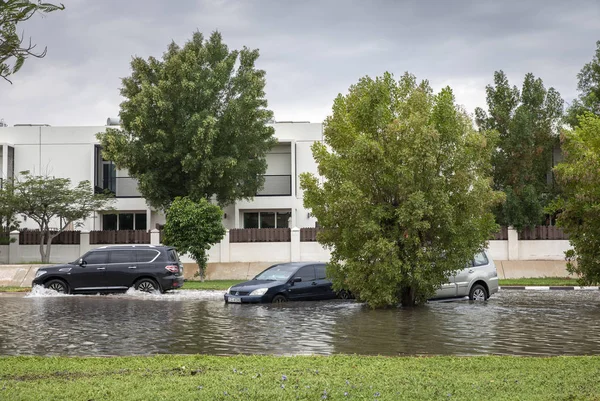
296 281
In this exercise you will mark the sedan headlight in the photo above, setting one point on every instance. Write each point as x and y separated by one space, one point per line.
260 291
40 273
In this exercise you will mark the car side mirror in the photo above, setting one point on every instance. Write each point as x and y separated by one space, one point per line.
82 262
297 279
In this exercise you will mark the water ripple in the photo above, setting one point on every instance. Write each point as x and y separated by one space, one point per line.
184 322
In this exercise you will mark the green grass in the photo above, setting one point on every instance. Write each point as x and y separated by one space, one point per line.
188 285
225 284
544 281
14 289
299 378
210 285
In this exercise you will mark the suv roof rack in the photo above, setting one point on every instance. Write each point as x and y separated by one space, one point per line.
126 245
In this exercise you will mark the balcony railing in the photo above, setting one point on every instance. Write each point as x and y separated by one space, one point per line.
122 187
260 235
276 185
120 237
126 187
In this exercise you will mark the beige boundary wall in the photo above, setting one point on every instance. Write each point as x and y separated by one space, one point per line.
506 269
239 261
22 275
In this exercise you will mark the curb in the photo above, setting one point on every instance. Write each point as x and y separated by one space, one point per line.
548 288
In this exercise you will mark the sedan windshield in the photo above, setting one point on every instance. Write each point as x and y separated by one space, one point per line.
278 273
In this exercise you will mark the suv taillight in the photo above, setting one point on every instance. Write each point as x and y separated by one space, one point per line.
172 268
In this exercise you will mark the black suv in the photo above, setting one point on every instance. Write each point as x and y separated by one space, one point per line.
116 268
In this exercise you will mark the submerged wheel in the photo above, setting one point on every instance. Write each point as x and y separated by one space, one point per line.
278 299
478 293
146 285
343 294
58 286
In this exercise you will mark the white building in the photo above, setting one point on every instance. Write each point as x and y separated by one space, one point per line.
74 153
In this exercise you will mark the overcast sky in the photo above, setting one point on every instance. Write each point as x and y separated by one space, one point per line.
311 50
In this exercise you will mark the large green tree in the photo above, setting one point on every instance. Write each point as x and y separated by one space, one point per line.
407 195
194 124
52 202
527 122
579 203
13 49
589 91
193 227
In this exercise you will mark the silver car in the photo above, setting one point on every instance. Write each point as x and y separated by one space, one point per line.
478 281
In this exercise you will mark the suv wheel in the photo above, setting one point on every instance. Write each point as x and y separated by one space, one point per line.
57 285
478 293
146 285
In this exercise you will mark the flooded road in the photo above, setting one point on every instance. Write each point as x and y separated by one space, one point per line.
189 322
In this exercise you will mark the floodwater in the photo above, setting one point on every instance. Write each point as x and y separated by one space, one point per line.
190 322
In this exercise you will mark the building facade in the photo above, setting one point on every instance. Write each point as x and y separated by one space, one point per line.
75 153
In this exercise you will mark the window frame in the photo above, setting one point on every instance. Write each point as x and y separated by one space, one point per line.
105 252
318 266
113 251
137 258
314 276
487 261
118 213
258 213
171 252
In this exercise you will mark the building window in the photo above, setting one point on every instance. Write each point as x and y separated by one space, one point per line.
283 219
267 219
11 162
251 220
109 176
124 221
109 222
140 221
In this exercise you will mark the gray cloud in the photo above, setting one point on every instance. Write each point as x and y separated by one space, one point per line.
312 50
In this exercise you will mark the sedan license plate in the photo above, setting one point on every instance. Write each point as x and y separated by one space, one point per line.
234 300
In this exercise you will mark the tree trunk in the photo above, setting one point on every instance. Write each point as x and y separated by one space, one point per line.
201 261
48 247
407 296
42 249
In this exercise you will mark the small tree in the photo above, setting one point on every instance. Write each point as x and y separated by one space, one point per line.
8 221
193 227
52 203
12 13
579 205
406 198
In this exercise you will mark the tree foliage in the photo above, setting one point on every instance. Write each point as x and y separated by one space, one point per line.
8 221
13 50
193 227
579 204
194 124
527 124
52 203
406 195
589 90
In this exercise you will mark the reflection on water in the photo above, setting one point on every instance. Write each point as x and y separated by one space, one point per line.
184 322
